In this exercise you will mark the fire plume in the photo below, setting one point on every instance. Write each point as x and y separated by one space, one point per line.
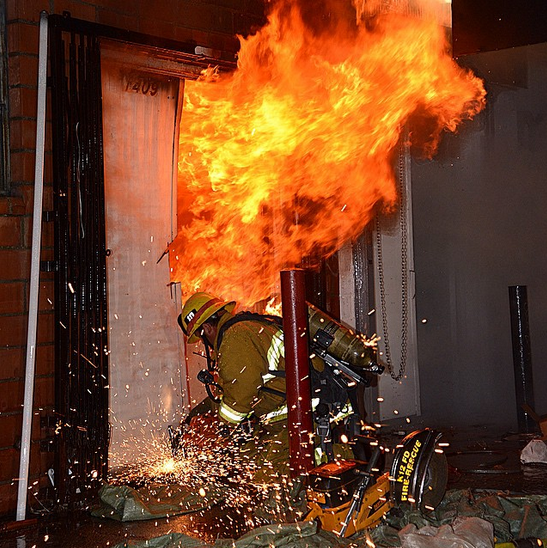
290 155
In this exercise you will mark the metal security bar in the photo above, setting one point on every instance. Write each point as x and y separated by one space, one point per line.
81 396
4 113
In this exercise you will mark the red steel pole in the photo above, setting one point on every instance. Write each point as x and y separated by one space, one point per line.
297 370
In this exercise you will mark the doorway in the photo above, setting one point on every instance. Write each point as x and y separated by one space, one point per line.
114 348
140 134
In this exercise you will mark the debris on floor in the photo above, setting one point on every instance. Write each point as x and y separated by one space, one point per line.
463 533
512 517
535 452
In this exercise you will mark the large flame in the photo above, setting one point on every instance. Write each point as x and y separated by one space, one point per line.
288 156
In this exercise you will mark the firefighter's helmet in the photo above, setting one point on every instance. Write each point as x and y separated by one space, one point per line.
197 310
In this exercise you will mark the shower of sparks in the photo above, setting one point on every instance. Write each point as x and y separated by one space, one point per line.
369 541
207 464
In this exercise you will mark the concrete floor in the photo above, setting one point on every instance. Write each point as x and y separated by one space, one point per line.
478 459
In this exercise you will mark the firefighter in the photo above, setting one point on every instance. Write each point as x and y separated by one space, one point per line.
247 352
249 358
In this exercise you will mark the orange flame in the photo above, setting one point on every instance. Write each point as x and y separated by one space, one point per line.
289 156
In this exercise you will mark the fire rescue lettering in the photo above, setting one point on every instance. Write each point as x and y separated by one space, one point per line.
407 467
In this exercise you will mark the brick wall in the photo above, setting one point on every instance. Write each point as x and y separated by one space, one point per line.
211 24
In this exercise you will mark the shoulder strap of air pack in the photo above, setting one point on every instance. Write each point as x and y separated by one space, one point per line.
266 319
246 316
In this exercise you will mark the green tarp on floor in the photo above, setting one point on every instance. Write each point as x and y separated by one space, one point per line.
284 535
124 503
512 517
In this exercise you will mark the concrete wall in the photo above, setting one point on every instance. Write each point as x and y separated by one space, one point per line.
480 221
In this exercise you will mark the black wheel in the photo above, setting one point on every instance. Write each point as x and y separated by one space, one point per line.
434 482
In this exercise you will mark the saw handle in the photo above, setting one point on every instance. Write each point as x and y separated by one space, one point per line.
361 488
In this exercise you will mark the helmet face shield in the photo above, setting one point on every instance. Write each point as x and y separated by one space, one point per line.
197 310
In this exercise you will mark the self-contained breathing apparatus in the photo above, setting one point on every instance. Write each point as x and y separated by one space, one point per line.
349 360
350 357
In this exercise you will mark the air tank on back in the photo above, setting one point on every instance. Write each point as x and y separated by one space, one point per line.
331 337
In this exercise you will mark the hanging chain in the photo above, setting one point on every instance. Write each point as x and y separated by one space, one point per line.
403 225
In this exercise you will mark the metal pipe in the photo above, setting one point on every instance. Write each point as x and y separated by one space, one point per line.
297 370
522 355
30 365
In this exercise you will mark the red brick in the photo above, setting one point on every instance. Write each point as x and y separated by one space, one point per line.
11 230
14 264
158 27
48 196
13 363
23 102
17 205
163 10
23 69
8 498
10 425
200 37
46 296
22 134
22 166
129 7
76 8
12 297
26 231
22 37
13 330
11 225
183 34
9 463
26 191
29 11
47 255
44 392
45 359
47 276
46 331
5 205
11 396
117 20
48 235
